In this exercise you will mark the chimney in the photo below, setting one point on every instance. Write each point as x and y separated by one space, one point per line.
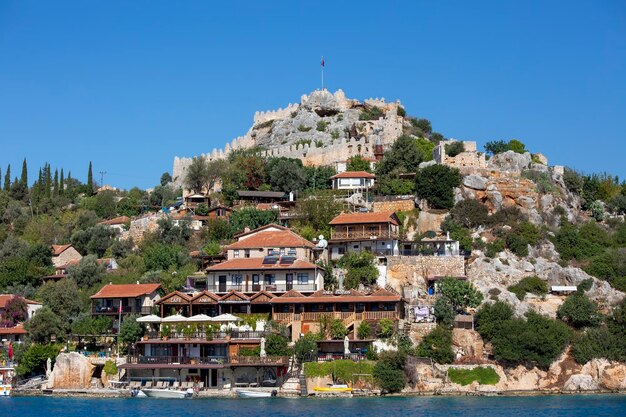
246 229
378 150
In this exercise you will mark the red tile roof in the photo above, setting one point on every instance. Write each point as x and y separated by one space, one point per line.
272 239
125 290
358 218
258 229
59 249
257 264
4 299
353 174
19 329
116 220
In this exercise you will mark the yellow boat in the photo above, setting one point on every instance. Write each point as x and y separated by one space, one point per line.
333 388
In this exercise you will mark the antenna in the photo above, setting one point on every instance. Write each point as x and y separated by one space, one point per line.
102 174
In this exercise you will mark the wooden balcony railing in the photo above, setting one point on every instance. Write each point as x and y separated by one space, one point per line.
207 360
217 335
347 316
114 310
377 315
363 234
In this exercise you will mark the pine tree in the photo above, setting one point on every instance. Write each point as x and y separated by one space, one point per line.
7 179
89 181
24 178
61 184
56 182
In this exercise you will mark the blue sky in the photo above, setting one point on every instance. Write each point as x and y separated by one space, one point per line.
129 85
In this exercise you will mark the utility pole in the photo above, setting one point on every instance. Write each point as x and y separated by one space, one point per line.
102 174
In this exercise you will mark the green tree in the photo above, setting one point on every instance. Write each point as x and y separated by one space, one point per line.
533 285
61 183
316 211
426 147
437 345
461 294
357 163
338 330
470 213
361 269
24 177
62 298
490 318
87 325
404 156
579 311
166 178
33 360
130 330
90 187
7 179
88 271
444 311
286 174
45 324
217 230
252 218
364 331
454 148
436 184
386 328
161 257
198 175
495 147
277 345
388 372
306 346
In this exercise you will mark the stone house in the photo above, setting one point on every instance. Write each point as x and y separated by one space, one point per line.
63 255
118 223
376 232
133 299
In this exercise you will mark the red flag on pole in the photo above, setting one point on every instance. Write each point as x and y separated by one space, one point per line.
11 350
120 310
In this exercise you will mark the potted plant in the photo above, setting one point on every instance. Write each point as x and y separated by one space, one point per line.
180 328
166 331
208 332
229 332
189 331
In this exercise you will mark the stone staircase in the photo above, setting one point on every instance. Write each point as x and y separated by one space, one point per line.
291 387
304 392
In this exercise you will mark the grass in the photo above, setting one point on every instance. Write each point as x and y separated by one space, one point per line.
533 285
343 370
484 376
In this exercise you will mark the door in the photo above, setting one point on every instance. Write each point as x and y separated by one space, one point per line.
213 381
222 283
289 279
256 283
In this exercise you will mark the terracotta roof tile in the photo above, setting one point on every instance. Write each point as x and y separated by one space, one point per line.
19 329
116 220
358 218
271 239
125 290
4 299
59 249
258 229
354 174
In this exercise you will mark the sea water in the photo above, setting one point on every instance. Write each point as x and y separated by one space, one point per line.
565 405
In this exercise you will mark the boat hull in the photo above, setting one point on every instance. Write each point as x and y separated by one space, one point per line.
164 393
5 390
255 394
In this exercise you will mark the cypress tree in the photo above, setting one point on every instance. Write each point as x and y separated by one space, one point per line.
56 182
89 181
69 183
7 179
48 179
24 179
61 183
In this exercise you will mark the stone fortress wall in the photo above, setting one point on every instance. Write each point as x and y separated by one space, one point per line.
384 130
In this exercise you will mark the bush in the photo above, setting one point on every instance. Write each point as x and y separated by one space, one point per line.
490 317
130 330
470 213
493 248
534 285
361 269
454 148
110 368
461 294
436 184
338 330
437 345
386 328
579 311
484 376
388 372
364 331
33 360
444 311
306 345
372 113
321 126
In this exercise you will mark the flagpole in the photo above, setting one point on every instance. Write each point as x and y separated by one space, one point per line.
322 73
118 329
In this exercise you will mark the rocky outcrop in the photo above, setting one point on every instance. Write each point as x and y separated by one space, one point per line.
71 371
475 182
511 161
467 343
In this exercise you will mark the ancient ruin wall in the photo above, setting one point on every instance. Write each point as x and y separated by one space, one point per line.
405 271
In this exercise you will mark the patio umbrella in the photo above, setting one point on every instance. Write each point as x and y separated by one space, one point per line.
199 318
149 319
176 318
225 318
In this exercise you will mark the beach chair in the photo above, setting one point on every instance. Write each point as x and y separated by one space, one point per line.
201 386
148 384
175 385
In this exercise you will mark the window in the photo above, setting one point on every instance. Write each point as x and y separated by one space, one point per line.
341 250
236 253
292 251
355 247
237 279
246 253
270 279
281 251
303 278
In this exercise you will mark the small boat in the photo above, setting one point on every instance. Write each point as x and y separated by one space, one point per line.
333 388
167 393
244 393
6 374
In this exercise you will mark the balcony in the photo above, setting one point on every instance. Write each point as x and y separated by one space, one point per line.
181 336
363 235
114 310
282 287
207 360
346 317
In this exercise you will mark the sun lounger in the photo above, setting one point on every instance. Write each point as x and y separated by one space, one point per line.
176 385
148 384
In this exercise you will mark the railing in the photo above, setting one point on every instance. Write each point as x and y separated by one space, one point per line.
327 357
283 317
217 335
258 287
347 316
377 315
207 360
96 309
360 234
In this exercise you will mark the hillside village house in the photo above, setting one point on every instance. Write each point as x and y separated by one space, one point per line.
353 181
270 258
118 223
63 255
376 232
134 299
15 333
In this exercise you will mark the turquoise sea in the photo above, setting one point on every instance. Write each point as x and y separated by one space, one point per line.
566 405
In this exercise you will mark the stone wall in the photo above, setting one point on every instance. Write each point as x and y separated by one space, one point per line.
394 205
140 226
405 271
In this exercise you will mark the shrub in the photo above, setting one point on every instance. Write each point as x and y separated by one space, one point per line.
598 342
338 330
458 232
461 294
490 317
303 128
361 269
306 345
437 345
364 330
507 216
110 368
534 285
444 311
579 311
454 148
470 213
483 375
493 248
436 184
372 113
542 180
388 372
386 328
321 125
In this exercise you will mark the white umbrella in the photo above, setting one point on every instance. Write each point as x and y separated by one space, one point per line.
263 353
346 344
225 317
199 317
176 318
149 319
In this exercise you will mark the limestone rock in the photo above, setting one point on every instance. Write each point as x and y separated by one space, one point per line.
71 371
511 161
614 377
580 382
475 182
468 342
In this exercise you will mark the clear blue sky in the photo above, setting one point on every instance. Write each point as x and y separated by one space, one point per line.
129 85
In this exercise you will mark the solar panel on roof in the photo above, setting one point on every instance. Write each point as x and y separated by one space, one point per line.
287 260
270 260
